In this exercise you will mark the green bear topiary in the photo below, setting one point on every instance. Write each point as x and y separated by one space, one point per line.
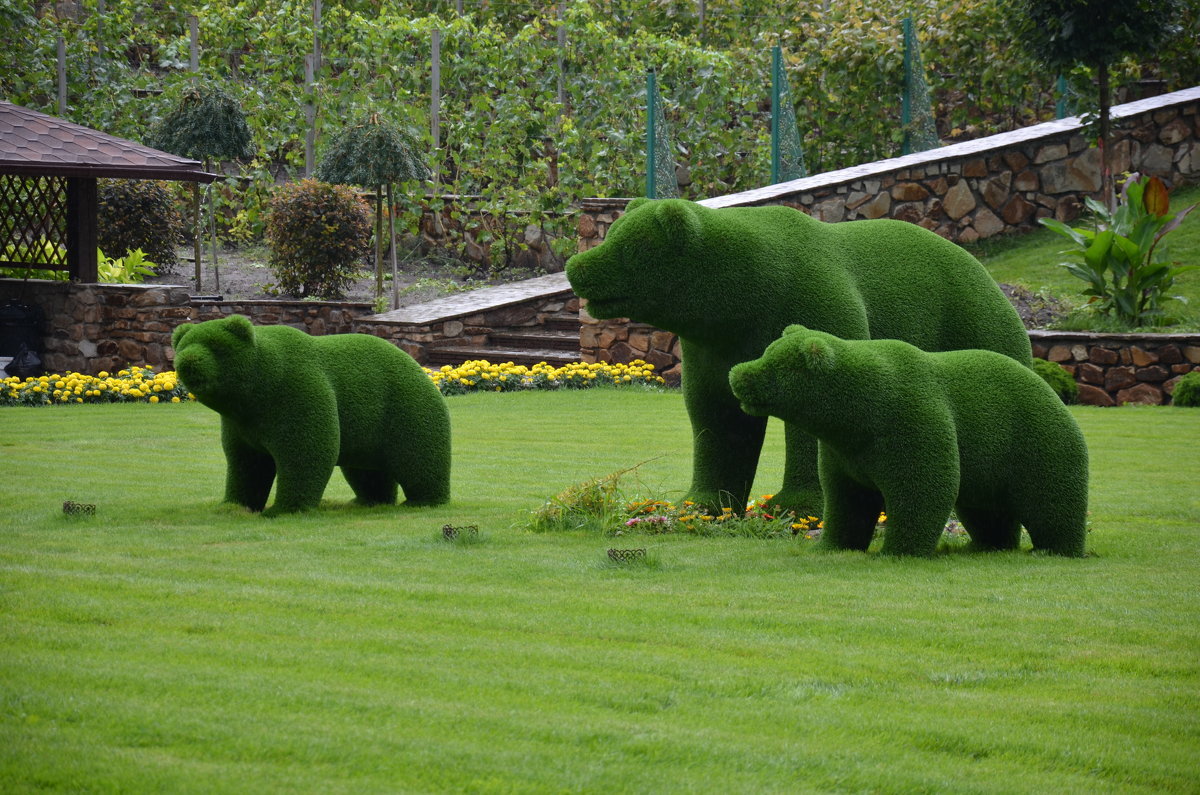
918 434
297 406
1187 391
1059 380
728 281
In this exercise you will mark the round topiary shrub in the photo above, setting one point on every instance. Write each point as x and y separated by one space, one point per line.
1059 380
318 234
1187 391
138 213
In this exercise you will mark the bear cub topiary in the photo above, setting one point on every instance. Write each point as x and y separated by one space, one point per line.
294 406
919 434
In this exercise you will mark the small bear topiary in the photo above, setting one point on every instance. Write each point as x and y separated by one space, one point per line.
1059 380
1187 391
318 234
296 406
138 213
728 281
919 434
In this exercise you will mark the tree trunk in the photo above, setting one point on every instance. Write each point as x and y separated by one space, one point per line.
392 237
378 241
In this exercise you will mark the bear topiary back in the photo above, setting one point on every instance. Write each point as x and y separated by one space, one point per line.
137 213
318 234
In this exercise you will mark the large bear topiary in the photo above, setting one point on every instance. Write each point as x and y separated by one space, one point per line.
728 281
293 407
918 434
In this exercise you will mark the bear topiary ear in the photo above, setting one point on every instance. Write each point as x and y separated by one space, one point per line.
240 327
179 332
818 354
636 203
795 328
679 219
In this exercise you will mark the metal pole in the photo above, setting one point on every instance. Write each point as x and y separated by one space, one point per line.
651 134
392 239
193 43
62 76
310 118
1060 107
776 66
905 101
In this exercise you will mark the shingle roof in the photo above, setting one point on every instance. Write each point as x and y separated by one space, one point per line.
36 144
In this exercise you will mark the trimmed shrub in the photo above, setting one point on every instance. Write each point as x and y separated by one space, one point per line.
1187 391
318 233
1059 380
139 214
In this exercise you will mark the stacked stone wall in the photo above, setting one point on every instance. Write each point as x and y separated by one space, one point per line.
92 327
1115 369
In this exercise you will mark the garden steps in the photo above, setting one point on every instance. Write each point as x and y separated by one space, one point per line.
554 340
457 354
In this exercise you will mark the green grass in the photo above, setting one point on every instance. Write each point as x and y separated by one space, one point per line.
172 644
1033 259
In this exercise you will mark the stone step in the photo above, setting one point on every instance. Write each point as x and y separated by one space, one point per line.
536 339
457 354
569 322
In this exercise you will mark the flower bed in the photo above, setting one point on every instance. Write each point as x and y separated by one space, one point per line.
134 385
144 385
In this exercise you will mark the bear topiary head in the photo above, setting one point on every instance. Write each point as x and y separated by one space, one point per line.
803 363
214 359
649 251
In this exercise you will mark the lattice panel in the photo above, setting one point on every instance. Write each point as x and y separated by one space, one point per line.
33 222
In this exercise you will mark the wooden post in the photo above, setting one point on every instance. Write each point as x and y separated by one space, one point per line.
435 120
197 232
101 10
317 35
62 76
81 229
193 43
310 118
378 241
392 235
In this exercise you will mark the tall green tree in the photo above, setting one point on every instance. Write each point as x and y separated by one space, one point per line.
1096 34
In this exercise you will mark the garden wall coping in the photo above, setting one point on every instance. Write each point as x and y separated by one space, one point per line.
482 300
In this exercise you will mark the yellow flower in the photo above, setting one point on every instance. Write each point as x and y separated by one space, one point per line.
154 398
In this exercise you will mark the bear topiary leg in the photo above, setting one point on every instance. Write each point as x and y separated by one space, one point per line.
371 486
301 483
249 473
990 530
1060 528
801 492
915 522
850 513
727 443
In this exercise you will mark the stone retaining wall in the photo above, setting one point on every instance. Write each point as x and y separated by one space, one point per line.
989 186
94 327
1114 369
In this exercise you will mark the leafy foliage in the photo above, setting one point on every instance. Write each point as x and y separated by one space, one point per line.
318 234
1121 260
1187 391
138 214
1059 380
372 153
208 124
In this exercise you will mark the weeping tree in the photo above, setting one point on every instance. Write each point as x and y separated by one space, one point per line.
375 154
207 125
1095 34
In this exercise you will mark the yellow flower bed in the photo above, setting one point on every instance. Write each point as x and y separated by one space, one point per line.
134 385
483 376
144 385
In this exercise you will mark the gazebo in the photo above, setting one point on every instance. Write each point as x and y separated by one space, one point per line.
48 173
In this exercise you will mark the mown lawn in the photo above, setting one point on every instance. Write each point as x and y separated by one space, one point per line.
171 644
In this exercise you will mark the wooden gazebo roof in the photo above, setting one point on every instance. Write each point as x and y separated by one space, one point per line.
39 145
48 173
